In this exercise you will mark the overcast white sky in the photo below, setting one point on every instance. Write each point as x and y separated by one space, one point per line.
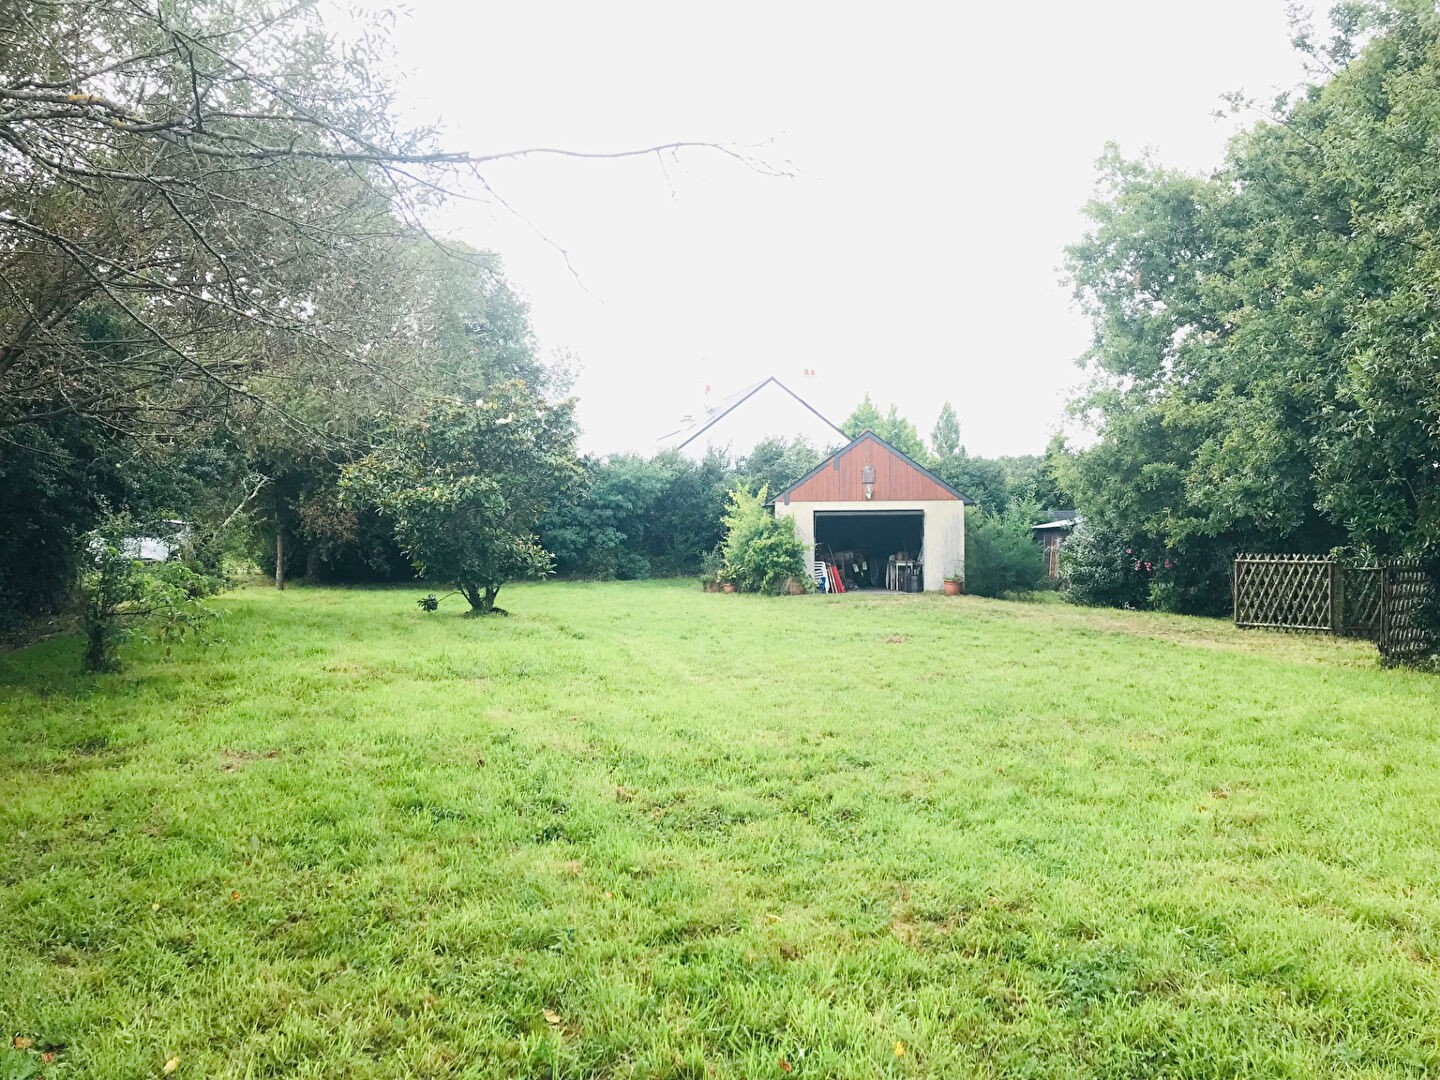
941 154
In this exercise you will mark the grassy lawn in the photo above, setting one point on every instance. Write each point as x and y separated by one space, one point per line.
639 831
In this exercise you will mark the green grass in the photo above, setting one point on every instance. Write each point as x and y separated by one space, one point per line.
708 833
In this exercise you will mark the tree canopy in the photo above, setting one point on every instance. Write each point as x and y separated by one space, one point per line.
1264 371
945 436
213 248
891 426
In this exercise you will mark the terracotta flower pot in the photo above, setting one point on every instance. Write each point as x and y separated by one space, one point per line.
954 587
729 586
794 587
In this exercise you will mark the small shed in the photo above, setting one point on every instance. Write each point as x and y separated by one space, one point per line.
1052 534
880 507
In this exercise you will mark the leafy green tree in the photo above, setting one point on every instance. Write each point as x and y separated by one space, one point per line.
686 522
891 426
603 529
634 517
228 184
945 438
983 479
1048 483
903 435
777 463
865 417
466 485
468 332
1263 358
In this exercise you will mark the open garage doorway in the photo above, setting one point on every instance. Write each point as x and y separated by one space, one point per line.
863 543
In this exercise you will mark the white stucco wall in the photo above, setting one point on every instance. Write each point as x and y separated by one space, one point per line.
944 546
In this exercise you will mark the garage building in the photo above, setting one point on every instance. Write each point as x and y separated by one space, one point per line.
881 509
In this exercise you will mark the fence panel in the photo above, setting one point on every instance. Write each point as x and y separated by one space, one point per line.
1362 601
1404 637
1388 604
1286 592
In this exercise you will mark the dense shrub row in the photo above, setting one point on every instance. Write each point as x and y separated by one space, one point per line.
633 517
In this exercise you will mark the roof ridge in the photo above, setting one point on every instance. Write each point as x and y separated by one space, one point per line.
735 401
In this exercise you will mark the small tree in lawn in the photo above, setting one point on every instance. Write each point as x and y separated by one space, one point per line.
119 594
465 484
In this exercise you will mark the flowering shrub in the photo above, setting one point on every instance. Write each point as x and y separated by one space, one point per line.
1101 568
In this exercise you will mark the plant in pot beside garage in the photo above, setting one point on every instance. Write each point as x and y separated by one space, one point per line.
955 581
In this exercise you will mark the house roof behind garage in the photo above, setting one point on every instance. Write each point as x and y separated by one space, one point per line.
678 440
898 477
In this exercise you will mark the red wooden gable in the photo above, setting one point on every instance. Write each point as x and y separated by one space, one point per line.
842 477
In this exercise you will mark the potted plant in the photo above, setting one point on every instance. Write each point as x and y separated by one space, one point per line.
954 582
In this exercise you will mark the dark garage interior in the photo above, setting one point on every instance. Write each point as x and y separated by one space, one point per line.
861 542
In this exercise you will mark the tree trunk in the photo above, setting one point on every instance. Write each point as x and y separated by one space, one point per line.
99 649
482 600
279 556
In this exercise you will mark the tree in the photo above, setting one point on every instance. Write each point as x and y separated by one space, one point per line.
467 332
216 178
865 417
224 181
903 435
633 517
777 463
892 427
1048 484
606 527
685 523
466 485
983 479
945 438
1262 372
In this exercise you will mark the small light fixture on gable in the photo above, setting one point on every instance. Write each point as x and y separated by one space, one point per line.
867 480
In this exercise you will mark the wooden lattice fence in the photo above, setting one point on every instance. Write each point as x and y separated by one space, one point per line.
1362 601
1409 594
1286 592
1388 604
